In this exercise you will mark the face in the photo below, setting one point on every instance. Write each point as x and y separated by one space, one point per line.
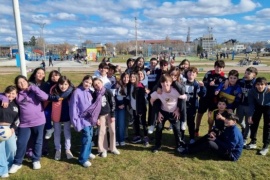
111 72
218 70
153 63
174 75
87 83
126 79
55 77
130 64
63 87
140 63
132 78
221 106
11 95
103 71
166 85
233 80
191 75
141 75
185 65
40 75
229 123
249 75
22 84
98 85
164 67
260 87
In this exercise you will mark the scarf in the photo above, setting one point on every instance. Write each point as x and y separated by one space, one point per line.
92 112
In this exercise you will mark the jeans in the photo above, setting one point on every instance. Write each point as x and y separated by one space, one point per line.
140 120
57 135
175 125
191 113
242 113
120 124
86 140
7 151
24 134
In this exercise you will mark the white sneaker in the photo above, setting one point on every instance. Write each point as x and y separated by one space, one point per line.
180 149
5 175
151 129
36 165
49 133
14 168
57 156
69 154
251 146
87 164
264 151
122 143
103 154
92 156
116 143
183 126
116 152
191 141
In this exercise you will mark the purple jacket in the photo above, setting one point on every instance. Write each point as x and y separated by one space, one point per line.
80 100
30 104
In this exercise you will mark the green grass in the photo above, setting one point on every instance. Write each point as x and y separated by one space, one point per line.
138 162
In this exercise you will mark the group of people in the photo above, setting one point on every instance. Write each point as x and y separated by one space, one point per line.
36 109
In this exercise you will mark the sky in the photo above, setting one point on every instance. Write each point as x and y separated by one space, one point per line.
102 21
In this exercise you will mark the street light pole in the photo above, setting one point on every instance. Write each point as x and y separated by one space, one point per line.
42 27
136 47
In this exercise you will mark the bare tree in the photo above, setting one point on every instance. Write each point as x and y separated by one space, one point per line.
258 46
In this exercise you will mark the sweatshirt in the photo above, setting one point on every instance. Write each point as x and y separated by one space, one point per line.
30 106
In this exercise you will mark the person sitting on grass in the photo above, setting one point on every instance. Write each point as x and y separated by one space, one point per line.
228 145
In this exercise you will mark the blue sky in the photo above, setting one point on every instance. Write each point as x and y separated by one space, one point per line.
113 20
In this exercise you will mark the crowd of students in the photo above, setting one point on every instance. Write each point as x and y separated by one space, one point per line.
36 109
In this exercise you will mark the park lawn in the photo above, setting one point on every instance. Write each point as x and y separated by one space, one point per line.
138 162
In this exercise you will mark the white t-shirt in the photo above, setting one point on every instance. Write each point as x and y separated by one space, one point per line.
169 100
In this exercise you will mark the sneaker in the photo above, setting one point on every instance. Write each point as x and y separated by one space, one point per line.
14 168
146 141
136 139
151 129
69 154
117 144
5 175
92 156
36 165
191 141
49 133
180 149
103 154
57 155
251 146
245 142
264 151
130 122
183 126
122 143
87 164
116 152
156 149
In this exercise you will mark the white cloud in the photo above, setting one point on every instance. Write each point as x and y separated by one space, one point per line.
63 16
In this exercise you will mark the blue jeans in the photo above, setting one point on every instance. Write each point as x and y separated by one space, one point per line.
23 137
7 151
120 125
87 134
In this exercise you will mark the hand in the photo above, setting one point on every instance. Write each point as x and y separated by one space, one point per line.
160 117
12 130
147 91
216 92
212 136
148 72
212 83
112 119
159 91
4 104
176 114
250 121
226 84
121 106
98 122
184 97
201 83
230 110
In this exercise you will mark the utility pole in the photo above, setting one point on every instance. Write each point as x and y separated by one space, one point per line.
42 35
209 39
136 47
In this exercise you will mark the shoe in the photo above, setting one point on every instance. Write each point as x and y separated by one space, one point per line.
92 156
5 175
36 165
180 149
130 122
14 168
49 133
251 146
57 155
245 142
116 152
156 149
117 144
146 141
264 151
103 154
69 154
136 139
122 143
151 129
183 126
87 164
191 141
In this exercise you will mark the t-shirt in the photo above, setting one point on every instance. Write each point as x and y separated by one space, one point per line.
169 100
9 114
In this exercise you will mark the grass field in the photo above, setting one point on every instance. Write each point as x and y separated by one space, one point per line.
138 162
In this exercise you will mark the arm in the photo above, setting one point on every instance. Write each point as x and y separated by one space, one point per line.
4 100
111 102
42 96
73 109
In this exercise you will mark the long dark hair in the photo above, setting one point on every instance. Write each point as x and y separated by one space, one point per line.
136 68
85 78
61 80
122 85
17 79
32 77
51 74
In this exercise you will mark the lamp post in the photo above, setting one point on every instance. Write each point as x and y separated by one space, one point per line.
136 47
209 34
42 25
